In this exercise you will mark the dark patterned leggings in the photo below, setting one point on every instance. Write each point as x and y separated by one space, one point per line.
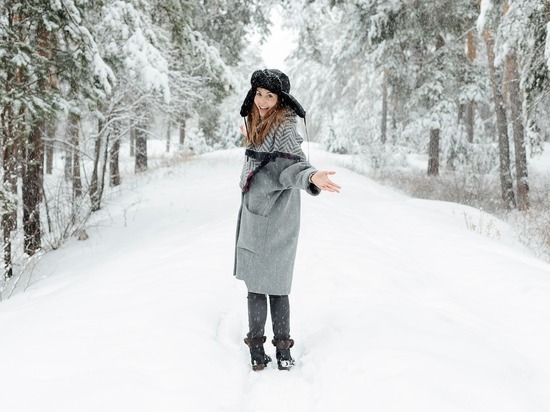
257 315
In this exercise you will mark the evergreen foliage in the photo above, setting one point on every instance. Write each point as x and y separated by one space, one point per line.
406 74
79 77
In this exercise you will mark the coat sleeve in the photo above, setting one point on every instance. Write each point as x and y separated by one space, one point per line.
296 176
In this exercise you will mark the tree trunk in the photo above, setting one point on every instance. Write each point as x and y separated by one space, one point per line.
7 228
32 181
9 180
32 189
168 132
502 128
77 180
433 153
97 182
68 169
461 109
519 132
395 110
94 180
114 168
132 141
104 166
384 126
49 147
470 121
141 147
182 133
74 142
433 147
11 135
470 106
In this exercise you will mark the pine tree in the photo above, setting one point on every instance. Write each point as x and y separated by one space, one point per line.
42 44
519 29
522 34
407 53
506 183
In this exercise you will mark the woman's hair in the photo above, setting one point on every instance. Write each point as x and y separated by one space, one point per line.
258 128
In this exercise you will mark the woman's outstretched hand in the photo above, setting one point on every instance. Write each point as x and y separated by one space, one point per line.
322 181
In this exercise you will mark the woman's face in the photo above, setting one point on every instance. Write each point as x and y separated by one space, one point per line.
264 100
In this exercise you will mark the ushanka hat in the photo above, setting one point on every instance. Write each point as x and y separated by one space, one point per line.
276 82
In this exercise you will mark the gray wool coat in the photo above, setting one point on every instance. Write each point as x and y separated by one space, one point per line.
269 217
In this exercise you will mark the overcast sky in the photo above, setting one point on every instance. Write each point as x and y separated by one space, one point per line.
279 45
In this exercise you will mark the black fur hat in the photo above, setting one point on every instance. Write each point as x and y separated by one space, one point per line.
276 82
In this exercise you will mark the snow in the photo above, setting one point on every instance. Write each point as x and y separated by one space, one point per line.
146 62
539 162
485 8
398 305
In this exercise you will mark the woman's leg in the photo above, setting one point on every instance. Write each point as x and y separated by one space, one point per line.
255 339
280 316
257 315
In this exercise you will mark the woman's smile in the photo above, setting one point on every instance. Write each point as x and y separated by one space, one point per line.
264 100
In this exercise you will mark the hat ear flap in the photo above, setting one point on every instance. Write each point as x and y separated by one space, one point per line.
248 102
291 102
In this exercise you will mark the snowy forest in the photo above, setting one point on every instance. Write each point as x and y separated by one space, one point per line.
442 99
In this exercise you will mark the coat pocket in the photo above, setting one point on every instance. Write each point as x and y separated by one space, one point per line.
252 231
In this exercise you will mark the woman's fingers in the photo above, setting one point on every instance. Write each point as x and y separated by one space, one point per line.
333 188
322 181
336 186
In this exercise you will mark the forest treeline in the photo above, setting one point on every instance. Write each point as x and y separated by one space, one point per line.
437 77
464 81
80 77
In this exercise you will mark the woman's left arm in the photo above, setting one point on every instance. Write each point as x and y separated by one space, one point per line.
297 176
322 181
301 174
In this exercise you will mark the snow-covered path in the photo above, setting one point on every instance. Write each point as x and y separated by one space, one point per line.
397 305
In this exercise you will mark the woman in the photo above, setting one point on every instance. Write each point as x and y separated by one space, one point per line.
269 218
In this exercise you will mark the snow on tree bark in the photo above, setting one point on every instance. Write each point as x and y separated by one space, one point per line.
433 153
384 125
505 174
141 147
74 143
49 146
95 191
182 133
114 165
9 185
470 105
522 180
32 188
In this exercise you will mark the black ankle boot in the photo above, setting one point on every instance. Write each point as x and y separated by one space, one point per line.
258 358
284 359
